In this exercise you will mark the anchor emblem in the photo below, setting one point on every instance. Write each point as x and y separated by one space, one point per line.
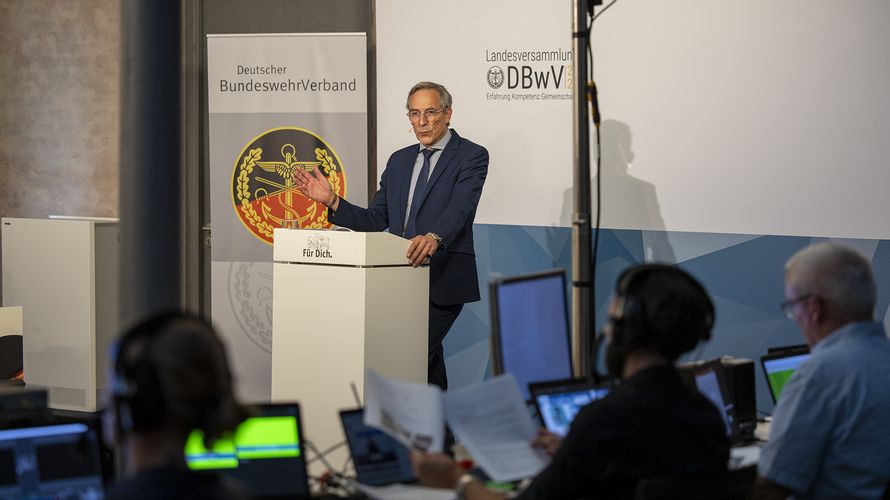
264 191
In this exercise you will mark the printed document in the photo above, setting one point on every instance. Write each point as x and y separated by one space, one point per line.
492 422
410 413
489 419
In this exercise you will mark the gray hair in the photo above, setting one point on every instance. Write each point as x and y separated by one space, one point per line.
444 95
838 275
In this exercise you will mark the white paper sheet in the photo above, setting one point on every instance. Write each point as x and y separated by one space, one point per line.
405 492
743 456
410 413
492 421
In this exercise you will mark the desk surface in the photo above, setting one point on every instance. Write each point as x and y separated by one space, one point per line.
762 430
743 456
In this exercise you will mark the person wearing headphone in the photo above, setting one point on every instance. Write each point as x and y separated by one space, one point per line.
169 376
651 425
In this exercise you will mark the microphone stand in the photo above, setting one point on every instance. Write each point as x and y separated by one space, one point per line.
583 308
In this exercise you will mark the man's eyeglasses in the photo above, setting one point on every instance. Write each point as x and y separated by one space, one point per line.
787 307
429 114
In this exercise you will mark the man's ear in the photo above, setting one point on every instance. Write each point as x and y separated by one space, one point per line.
815 310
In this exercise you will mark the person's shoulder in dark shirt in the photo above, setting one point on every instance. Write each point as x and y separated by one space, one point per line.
174 483
652 425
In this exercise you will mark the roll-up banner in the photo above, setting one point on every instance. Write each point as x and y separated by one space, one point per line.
276 103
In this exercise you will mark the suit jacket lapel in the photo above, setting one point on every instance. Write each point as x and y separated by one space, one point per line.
442 164
404 188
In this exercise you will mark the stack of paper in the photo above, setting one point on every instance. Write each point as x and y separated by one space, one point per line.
489 419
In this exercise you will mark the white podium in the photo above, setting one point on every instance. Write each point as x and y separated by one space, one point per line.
63 272
343 302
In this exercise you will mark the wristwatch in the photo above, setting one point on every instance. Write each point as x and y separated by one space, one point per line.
462 483
439 240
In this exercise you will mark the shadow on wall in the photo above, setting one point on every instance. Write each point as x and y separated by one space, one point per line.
627 202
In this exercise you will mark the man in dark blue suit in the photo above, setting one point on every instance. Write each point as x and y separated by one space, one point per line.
428 193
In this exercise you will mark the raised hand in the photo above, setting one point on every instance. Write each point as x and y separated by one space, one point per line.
315 186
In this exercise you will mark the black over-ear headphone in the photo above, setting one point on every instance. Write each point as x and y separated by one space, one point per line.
631 328
137 395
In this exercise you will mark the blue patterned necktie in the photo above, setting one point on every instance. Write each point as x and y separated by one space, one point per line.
419 191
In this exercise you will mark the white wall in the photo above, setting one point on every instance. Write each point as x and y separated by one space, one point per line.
758 118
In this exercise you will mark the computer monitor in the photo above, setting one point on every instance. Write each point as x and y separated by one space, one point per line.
530 328
379 459
779 368
787 348
711 382
265 453
50 461
558 402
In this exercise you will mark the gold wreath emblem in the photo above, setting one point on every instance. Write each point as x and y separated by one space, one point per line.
262 210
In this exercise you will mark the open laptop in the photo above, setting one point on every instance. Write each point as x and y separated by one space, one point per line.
50 461
379 460
787 348
265 454
559 401
780 366
711 382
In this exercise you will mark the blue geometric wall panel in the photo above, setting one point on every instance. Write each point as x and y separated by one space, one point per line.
743 273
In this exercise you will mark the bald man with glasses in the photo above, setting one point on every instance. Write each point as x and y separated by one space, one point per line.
428 194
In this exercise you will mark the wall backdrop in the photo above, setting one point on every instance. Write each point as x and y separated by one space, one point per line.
731 138
59 101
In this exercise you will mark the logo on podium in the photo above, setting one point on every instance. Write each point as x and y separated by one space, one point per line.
318 246
264 194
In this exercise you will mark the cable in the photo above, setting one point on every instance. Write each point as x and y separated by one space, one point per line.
346 464
595 115
603 10
590 29
321 456
331 478
358 400
593 98
326 452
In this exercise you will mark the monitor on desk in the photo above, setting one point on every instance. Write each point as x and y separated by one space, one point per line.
50 461
711 382
779 367
265 453
530 328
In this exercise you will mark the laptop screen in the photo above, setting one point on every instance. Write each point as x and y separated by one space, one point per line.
558 402
264 454
710 382
50 461
379 460
779 368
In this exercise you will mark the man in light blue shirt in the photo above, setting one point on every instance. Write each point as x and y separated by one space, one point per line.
830 435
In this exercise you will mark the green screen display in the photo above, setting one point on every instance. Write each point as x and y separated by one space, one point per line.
778 379
256 438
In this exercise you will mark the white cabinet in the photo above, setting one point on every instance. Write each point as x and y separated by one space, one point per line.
64 274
